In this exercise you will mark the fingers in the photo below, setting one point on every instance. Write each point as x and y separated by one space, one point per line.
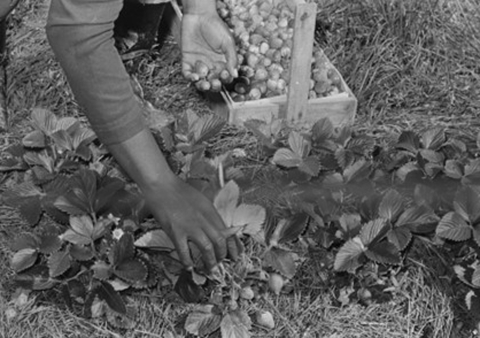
207 248
231 57
189 72
184 253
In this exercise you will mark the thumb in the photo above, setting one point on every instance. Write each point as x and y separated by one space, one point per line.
231 57
229 232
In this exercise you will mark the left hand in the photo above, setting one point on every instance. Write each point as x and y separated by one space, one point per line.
206 38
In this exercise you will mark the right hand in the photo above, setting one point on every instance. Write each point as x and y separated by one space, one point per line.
187 215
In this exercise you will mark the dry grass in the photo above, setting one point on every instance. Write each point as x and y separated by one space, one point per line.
411 63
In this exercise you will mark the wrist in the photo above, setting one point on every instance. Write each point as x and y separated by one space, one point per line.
199 7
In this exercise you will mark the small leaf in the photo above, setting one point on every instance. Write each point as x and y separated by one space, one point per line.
81 253
44 120
453 169
23 259
30 209
132 271
205 128
123 250
203 321
433 138
250 217
357 171
350 224
424 196
58 263
34 139
35 278
226 201
62 140
63 204
294 227
188 289
322 130
384 252
235 324
349 255
467 204
112 298
49 243
75 238
408 140
373 232
101 270
454 227
281 260
25 240
298 144
400 237
472 172
310 165
286 158
391 205
432 156
155 239
414 216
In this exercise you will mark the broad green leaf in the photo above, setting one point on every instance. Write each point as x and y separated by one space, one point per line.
41 159
49 243
205 127
432 156
384 252
344 157
58 263
472 172
25 240
349 255
105 193
286 158
235 324
44 120
373 232
298 144
453 169
69 124
433 138
416 215
131 270
123 250
250 217
64 205
35 278
476 233
310 165
476 275
203 321
101 270
118 284
361 145
281 260
226 201
467 204
424 196
357 171
391 205
407 169
350 224
81 253
82 137
23 259
75 238
101 227
155 239
30 209
62 140
82 225
322 130
34 139
188 289
409 141
294 227
454 227
106 292
400 237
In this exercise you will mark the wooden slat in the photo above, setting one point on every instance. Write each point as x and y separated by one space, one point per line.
300 67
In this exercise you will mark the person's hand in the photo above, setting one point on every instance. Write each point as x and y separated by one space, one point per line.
206 38
187 215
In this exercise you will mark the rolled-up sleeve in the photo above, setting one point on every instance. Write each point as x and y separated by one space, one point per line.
80 33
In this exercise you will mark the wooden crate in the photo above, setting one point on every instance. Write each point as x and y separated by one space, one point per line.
294 107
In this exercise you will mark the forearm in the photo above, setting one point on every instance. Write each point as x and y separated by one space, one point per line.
81 35
199 6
